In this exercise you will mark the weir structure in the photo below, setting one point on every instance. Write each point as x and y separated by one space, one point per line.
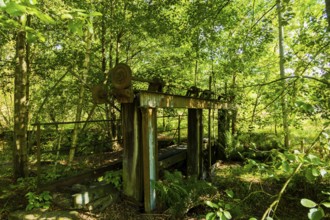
139 130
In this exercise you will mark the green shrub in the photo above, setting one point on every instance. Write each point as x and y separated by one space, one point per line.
35 201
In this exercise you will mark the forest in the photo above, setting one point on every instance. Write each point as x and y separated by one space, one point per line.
61 124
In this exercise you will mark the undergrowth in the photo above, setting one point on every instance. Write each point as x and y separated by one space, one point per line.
178 194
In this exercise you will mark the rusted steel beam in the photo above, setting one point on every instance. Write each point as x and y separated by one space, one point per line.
195 141
132 154
150 156
162 100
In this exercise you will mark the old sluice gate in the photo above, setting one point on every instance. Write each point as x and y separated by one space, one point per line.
139 125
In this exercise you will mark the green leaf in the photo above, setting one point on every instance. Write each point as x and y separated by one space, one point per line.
286 166
76 27
222 216
96 13
230 193
315 172
227 214
66 16
211 204
316 214
82 15
314 159
30 2
23 19
326 204
325 193
210 216
308 203
253 218
42 16
291 157
15 9
309 175
33 36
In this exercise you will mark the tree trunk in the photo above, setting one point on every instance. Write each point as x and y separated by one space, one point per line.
20 159
327 10
85 71
232 100
282 73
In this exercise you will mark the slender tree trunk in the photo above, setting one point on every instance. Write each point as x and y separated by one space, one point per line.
103 41
79 110
27 88
327 10
256 102
110 115
234 111
196 61
282 73
104 67
20 159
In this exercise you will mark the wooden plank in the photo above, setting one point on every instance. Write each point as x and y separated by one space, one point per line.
132 154
195 141
150 156
170 161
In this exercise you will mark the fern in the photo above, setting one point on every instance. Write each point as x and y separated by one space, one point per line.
180 194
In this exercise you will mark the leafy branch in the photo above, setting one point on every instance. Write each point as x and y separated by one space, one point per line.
274 205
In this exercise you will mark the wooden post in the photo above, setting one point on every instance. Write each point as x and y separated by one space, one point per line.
195 141
150 156
132 155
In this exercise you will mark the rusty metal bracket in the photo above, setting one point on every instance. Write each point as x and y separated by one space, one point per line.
121 81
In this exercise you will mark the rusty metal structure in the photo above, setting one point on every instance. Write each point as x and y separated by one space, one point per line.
139 125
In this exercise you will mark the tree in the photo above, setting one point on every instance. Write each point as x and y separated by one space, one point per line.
282 74
327 10
21 13
84 72
21 108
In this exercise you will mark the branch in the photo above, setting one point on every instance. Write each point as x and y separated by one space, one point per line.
302 72
288 77
262 16
296 171
48 93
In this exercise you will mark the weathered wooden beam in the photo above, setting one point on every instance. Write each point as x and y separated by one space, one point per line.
132 154
150 156
162 100
170 161
195 141
79 178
